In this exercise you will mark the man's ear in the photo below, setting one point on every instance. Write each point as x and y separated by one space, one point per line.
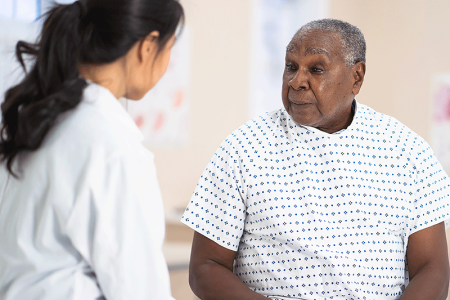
148 46
358 72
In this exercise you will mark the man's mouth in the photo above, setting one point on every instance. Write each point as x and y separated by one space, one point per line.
299 103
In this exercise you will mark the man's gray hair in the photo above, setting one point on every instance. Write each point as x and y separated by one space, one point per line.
353 42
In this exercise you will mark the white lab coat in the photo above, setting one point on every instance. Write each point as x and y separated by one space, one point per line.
85 218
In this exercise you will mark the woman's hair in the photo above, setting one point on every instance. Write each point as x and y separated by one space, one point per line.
87 31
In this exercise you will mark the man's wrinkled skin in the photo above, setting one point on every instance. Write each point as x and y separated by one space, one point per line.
318 87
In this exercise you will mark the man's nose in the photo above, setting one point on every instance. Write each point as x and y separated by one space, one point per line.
300 81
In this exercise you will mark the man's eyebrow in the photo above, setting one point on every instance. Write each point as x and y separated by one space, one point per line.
290 48
310 51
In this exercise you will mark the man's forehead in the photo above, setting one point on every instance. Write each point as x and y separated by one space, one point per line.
317 41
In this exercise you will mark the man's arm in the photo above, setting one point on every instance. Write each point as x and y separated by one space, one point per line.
211 274
428 264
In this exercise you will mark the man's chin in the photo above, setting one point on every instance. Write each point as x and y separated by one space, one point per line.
302 120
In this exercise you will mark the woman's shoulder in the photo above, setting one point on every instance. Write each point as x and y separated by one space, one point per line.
98 125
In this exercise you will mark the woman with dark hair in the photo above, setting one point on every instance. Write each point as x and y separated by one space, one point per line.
81 214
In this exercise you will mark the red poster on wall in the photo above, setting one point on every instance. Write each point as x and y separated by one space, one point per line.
440 123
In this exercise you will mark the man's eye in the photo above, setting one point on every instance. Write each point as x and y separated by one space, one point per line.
316 70
290 67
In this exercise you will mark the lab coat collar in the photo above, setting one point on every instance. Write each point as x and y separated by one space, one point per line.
110 105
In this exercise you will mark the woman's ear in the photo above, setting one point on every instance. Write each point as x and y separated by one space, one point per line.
148 46
358 71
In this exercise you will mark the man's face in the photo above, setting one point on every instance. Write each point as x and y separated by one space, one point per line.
318 88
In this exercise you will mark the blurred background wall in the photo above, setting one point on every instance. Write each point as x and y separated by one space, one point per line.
220 39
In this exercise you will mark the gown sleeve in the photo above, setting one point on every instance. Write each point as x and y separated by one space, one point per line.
432 197
217 208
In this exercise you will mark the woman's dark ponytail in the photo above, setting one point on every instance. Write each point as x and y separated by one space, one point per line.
87 31
50 88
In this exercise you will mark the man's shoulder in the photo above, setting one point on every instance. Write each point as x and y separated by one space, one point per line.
370 118
377 124
260 127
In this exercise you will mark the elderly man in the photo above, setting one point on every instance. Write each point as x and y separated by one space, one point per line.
324 198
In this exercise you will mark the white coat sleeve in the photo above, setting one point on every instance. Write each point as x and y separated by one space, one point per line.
124 234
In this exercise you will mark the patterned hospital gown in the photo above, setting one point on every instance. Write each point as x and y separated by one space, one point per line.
314 215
